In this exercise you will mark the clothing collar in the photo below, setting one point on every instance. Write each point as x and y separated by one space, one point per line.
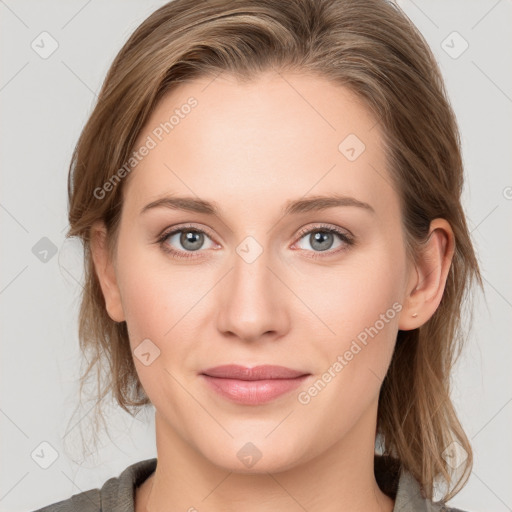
118 494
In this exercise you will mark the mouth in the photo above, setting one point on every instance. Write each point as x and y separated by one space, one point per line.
253 386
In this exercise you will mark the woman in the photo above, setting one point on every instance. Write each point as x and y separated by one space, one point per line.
276 256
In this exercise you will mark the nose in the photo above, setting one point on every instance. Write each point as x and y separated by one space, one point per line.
253 300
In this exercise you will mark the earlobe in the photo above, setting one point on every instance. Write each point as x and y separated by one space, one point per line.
426 285
106 273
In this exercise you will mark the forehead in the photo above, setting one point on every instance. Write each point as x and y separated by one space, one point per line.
291 134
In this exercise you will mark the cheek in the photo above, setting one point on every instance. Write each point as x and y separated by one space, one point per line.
362 308
153 306
353 295
152 292
155 309
162 302
361 304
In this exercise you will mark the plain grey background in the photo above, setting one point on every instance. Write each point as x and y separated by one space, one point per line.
45 101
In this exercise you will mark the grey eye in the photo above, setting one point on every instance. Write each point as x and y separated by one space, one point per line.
187 239
321 240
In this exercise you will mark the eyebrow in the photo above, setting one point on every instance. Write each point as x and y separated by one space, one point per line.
293 207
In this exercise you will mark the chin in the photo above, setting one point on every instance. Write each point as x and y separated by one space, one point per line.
253 457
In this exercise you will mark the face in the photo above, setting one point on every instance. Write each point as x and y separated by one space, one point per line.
276 276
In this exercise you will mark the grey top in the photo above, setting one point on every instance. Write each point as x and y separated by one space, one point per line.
117 494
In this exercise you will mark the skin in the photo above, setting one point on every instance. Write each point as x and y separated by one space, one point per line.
251 148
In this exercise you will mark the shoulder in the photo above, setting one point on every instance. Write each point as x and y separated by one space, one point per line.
410 499
444 508
400 484
117 493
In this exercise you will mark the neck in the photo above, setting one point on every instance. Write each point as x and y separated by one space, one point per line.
340 479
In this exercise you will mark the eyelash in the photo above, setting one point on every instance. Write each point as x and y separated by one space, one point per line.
348 240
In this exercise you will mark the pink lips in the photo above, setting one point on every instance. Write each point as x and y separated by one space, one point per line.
253 386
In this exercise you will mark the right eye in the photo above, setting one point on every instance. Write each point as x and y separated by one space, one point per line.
190 240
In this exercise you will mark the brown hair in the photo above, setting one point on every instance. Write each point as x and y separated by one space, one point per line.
370 47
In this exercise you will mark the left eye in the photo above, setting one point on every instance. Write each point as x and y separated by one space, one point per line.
322 239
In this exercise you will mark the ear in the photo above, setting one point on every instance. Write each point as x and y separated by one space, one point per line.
106 273
428 277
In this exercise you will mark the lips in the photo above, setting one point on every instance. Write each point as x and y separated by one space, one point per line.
262 372
252 386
